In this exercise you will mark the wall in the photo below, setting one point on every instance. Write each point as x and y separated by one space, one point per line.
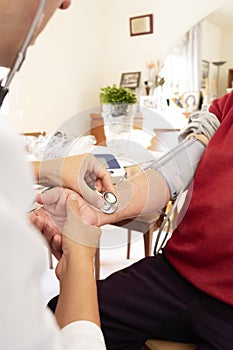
221 29
62 71
88 47
172 20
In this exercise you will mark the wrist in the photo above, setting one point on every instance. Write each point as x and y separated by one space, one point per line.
75 261
49 172
74 251
128 193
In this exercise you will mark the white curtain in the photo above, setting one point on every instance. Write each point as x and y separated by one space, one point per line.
193 58
182 67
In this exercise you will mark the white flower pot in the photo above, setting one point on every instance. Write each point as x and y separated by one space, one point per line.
118 120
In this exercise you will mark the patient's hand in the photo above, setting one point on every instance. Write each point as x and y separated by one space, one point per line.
51 218
43 222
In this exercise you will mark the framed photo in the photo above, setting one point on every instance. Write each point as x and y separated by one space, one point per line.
147 101
141 25
130 80
191 100
204 73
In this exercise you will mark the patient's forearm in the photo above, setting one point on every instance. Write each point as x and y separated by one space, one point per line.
143 193
150 190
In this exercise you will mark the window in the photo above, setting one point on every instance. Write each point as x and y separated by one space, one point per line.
182 66
174 69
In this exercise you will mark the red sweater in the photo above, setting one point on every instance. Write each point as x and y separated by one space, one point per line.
201 248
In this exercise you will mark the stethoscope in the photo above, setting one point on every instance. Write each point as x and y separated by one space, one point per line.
166 220
4 87
110 200
110 205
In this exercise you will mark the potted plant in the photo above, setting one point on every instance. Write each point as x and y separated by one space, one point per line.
117 94
118 107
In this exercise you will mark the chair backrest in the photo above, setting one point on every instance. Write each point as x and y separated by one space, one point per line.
34 133
169 345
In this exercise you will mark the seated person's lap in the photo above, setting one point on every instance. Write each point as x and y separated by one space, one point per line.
150 300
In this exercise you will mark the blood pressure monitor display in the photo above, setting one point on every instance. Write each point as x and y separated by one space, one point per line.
116 171
108 160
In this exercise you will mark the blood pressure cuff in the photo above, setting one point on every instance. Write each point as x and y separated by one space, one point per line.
178 166
200 123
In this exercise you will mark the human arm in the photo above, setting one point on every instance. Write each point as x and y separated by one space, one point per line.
78 295
77 173
51 217
26 323
145 192
150 190
75 270
80 171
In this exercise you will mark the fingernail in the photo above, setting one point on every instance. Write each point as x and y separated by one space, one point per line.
54 246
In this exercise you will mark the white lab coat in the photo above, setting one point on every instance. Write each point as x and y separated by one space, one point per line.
25 324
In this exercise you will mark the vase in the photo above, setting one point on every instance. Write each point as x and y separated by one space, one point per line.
118 120
159 100
147 88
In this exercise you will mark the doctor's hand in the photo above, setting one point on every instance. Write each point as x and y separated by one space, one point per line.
51 219
77 173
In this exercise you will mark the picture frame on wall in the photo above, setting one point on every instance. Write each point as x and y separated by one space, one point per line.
147 101
141 25
191 100
130 80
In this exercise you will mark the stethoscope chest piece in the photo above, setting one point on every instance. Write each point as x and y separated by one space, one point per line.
110 205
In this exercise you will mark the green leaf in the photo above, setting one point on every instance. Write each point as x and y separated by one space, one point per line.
116 94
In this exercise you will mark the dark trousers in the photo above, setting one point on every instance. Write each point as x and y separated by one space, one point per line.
150 300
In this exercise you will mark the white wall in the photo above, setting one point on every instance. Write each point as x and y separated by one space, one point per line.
218 49
89 46
172 20
62 71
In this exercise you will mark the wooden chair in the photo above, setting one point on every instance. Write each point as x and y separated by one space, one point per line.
163 140
34 133
146 224
167 345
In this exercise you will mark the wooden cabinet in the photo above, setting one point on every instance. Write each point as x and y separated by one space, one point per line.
97 126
